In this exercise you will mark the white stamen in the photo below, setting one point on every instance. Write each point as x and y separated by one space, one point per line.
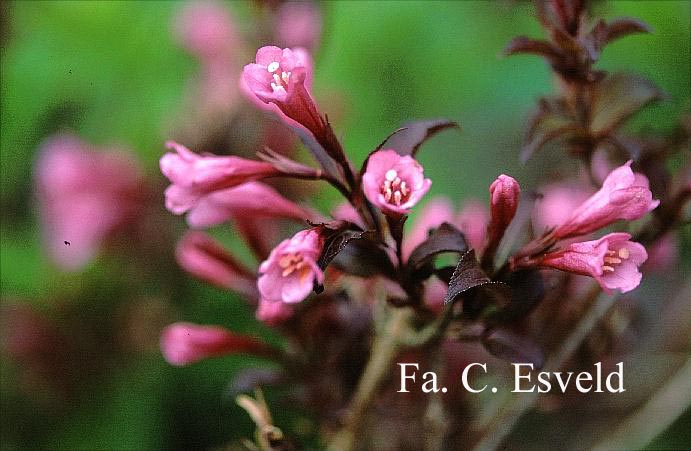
397 197
624 253
285 76
607 269
273 67
391 174
612 260
404 189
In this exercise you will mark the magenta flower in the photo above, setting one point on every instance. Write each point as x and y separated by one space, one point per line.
194 176
85 196
288 275
205 259
623 196
393 183
613 261
251 199
282 77
185 343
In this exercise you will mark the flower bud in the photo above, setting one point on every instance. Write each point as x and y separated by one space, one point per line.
623 196
185 343
504 195
194 176
206 260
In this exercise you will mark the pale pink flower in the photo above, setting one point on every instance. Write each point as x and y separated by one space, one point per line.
613 261
273 313
472 220
205 259
288 275
194 176
85 196
432 215
283 77
556 204
394 183
623 196
298 24
251 199
185 343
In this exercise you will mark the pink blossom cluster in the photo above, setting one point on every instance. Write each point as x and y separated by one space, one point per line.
213 190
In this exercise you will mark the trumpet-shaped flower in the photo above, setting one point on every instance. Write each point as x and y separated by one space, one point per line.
204 258
613 261
394 183
85 196
288 275
185 343
194 176
251 200
623 196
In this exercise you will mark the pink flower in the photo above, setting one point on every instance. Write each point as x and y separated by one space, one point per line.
288 275
623 196
472 220
298 24
432 215
251 199
557 203
194 176
393 183
185 343
273 313
206 29
205 259
283 77
613 261
85 196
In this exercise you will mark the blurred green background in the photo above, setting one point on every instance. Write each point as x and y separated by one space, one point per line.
112 72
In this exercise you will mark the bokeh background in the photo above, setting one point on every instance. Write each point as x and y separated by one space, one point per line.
113 73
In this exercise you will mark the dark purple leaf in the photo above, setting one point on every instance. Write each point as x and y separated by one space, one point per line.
469 275
408 139
364 257
551 121
617 98
625 26
522 44
508 345
527 290
445 238
336 243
